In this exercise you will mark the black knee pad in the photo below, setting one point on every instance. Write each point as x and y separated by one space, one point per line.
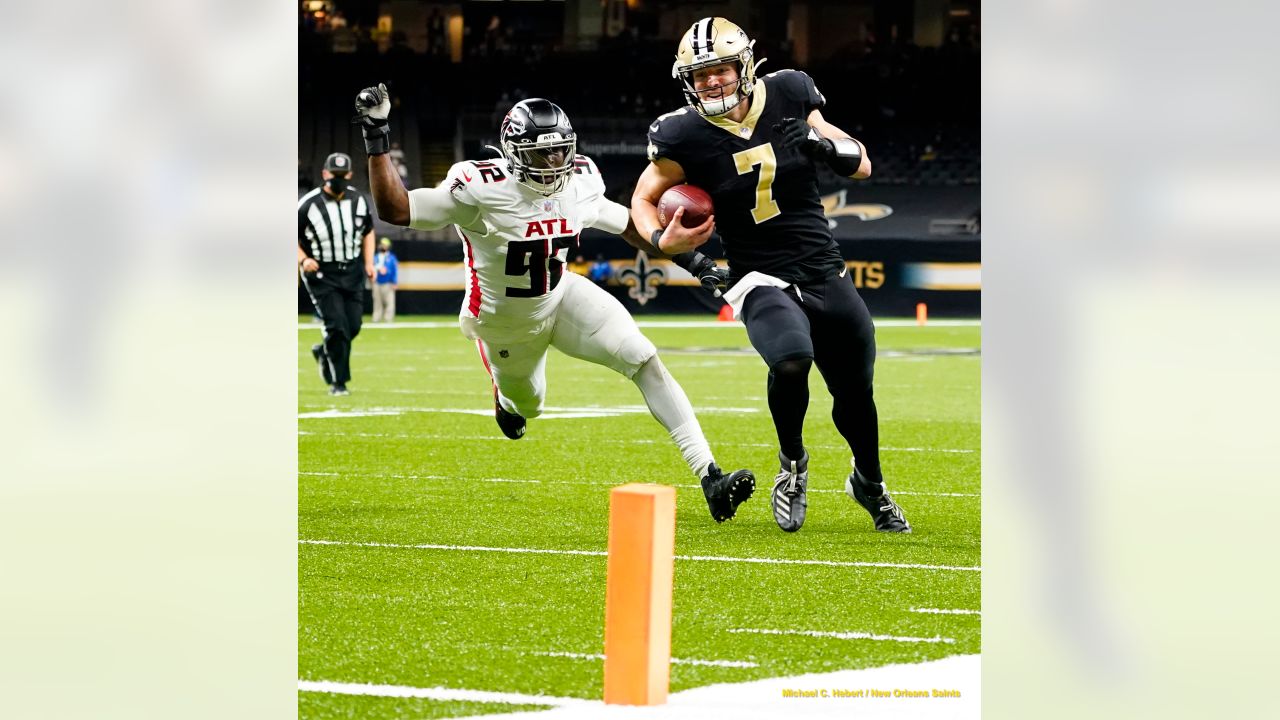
777 326
792 369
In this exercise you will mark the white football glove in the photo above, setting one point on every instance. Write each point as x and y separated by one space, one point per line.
374 102
374 105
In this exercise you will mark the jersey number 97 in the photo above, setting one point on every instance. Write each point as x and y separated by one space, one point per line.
531 258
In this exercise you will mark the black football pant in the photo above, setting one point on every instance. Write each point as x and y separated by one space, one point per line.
337 291
827 324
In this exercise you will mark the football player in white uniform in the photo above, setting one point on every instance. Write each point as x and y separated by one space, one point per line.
517 216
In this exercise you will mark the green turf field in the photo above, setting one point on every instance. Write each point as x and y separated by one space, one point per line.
468 615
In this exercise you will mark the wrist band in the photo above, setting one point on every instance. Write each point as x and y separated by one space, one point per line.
654 237
377 140
847 157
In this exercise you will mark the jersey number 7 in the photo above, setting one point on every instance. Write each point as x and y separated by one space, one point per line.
745 161
530 257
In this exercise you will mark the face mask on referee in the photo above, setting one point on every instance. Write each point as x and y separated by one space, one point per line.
337 184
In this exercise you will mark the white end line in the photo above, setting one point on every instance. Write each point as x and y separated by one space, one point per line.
435 693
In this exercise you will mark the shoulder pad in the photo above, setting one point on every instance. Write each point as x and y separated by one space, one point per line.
796 84
490 171
583 165
657 125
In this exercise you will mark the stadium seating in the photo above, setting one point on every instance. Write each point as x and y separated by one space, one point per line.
916 108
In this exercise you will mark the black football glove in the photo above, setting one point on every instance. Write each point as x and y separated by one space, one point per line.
796 133
373 105
714 279
844 155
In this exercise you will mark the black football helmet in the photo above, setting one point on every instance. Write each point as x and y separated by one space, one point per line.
539 145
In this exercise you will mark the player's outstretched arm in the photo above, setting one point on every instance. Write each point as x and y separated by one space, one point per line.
638 241
373 107
389 195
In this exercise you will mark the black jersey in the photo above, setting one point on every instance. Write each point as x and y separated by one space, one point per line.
768 210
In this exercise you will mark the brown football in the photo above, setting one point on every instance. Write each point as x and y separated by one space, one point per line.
695 201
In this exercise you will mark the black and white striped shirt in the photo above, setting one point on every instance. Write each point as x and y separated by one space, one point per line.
331 230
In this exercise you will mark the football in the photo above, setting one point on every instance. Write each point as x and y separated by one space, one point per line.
695 201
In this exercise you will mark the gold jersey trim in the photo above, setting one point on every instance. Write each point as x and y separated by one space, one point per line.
747 127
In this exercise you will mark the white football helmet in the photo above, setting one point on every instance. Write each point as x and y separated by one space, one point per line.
713 41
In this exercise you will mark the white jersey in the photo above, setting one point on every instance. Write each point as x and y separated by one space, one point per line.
515 240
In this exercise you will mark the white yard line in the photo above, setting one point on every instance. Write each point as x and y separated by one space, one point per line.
441 436
830 563
674 661
940 611
920 494
627 441
692 558
521 481
471 548
704 324
846 635
434 693
551 413
335 413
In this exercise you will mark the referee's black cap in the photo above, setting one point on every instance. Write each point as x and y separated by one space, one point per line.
338 162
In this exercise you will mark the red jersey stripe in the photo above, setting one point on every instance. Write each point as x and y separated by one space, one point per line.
473 280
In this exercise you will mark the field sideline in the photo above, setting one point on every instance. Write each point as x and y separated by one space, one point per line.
435 553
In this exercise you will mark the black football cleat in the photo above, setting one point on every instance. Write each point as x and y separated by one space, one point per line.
725 493
339 390
317 352
790 492
511 424
884 511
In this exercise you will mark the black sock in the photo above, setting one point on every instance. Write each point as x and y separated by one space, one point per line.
872 489
855 417
788 402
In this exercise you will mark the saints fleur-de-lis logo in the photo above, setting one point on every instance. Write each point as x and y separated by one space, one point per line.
639 276
837 205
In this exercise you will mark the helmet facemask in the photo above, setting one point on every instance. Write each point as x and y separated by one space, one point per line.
727 101
543 165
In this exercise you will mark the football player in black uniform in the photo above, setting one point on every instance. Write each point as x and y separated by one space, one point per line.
753 144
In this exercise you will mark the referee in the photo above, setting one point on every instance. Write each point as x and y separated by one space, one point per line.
335 234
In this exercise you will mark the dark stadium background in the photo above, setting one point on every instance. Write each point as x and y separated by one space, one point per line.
903 77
